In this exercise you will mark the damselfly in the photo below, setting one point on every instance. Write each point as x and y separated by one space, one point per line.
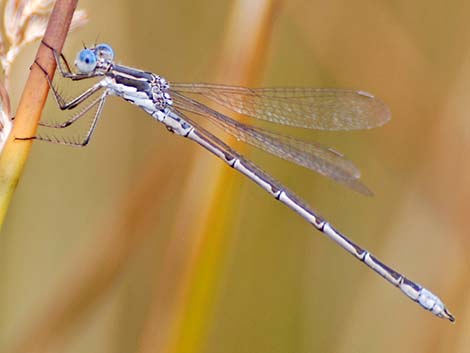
327 109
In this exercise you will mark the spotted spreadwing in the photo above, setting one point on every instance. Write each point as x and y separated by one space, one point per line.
324 109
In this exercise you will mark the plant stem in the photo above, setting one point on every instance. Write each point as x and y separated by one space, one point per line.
32 101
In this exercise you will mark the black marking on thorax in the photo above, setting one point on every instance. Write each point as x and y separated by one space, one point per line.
124 77
154 86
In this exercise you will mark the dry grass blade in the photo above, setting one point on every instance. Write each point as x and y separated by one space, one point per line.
25 21
34 96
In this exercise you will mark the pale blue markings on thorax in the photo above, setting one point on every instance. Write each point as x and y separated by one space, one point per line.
149 93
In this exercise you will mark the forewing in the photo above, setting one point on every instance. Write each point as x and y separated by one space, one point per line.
315 108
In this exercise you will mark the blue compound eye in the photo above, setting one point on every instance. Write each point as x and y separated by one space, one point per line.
86 61
104 51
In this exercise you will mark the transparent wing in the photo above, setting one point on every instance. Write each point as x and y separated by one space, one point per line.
321 159
227 150
314 108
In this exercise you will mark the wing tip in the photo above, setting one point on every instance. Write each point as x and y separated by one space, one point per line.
384 113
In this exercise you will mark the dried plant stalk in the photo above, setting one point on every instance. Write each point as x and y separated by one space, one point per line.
24 21
32 101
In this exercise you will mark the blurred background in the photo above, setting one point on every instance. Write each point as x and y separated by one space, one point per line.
143 242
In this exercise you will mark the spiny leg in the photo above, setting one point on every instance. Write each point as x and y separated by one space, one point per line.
63 105
64 141
74 117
